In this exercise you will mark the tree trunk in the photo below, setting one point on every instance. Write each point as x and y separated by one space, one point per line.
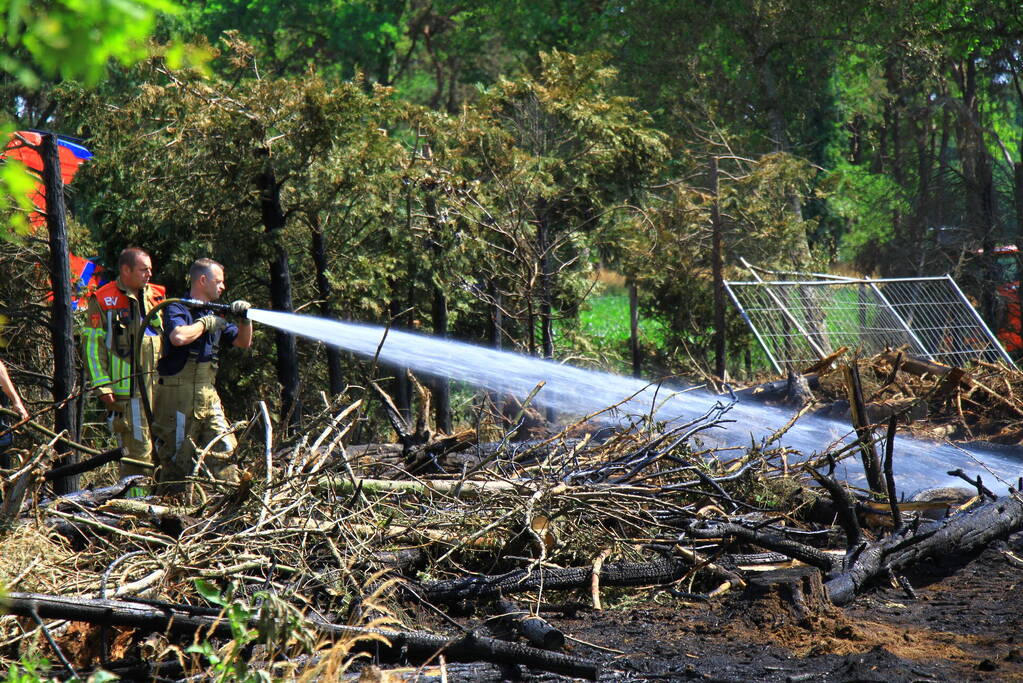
921 207
987 200
896 264
776 119
1017 194
961 533
62 324
941 175
280 294
717 270
637 361
440 387
325 291
496 333
977 175
402 386
546 311
496 316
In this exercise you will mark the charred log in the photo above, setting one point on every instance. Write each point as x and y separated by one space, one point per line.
612 574
94 497
764 539
183 620
531 627
961 533
85 465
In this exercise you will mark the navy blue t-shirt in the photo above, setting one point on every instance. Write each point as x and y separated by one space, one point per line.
175 357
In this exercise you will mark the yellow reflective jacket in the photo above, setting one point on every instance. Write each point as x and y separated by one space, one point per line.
112 324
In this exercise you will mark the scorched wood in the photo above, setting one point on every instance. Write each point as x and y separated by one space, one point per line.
183 619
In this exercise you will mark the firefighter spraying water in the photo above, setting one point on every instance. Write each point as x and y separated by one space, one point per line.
187 414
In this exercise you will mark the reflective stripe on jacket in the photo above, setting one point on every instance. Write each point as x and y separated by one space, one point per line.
113 322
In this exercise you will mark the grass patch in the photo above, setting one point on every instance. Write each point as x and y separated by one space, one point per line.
607 317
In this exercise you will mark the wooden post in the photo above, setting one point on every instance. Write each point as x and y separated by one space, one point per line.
871 461
61 325
717 269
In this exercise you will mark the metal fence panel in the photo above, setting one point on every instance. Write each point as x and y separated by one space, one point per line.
800 321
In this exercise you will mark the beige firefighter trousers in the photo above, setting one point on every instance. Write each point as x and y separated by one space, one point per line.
191 429
128 424
127 417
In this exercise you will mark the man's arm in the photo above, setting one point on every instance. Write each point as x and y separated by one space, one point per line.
244 338
12 393
97 359
183 335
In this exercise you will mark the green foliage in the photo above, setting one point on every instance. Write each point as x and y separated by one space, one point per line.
274 624
867 201
30 669
561 153
75 39
525 145
16 184
33 668
339 37
603 331
72 40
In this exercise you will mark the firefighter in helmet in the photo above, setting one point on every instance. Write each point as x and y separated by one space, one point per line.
189 418
113 327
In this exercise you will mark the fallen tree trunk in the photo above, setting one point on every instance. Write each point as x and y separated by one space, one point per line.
184 620
444 486
961 533
77 468
95 497
914 365
613 574
476 672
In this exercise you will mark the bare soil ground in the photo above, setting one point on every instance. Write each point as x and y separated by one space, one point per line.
966 624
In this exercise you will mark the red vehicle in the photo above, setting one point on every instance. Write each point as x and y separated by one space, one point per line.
1009 330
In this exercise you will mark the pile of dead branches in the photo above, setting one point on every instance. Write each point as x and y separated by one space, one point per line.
980 402
434 549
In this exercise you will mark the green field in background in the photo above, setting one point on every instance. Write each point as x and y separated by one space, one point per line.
607 317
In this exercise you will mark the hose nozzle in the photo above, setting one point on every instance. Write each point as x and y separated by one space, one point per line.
223 309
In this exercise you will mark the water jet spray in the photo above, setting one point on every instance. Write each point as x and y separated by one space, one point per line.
577 391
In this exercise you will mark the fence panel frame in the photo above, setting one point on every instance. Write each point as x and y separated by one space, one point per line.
971 322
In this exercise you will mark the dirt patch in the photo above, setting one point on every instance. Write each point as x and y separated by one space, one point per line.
966 624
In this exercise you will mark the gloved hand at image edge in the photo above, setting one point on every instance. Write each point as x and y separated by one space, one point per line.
241 307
